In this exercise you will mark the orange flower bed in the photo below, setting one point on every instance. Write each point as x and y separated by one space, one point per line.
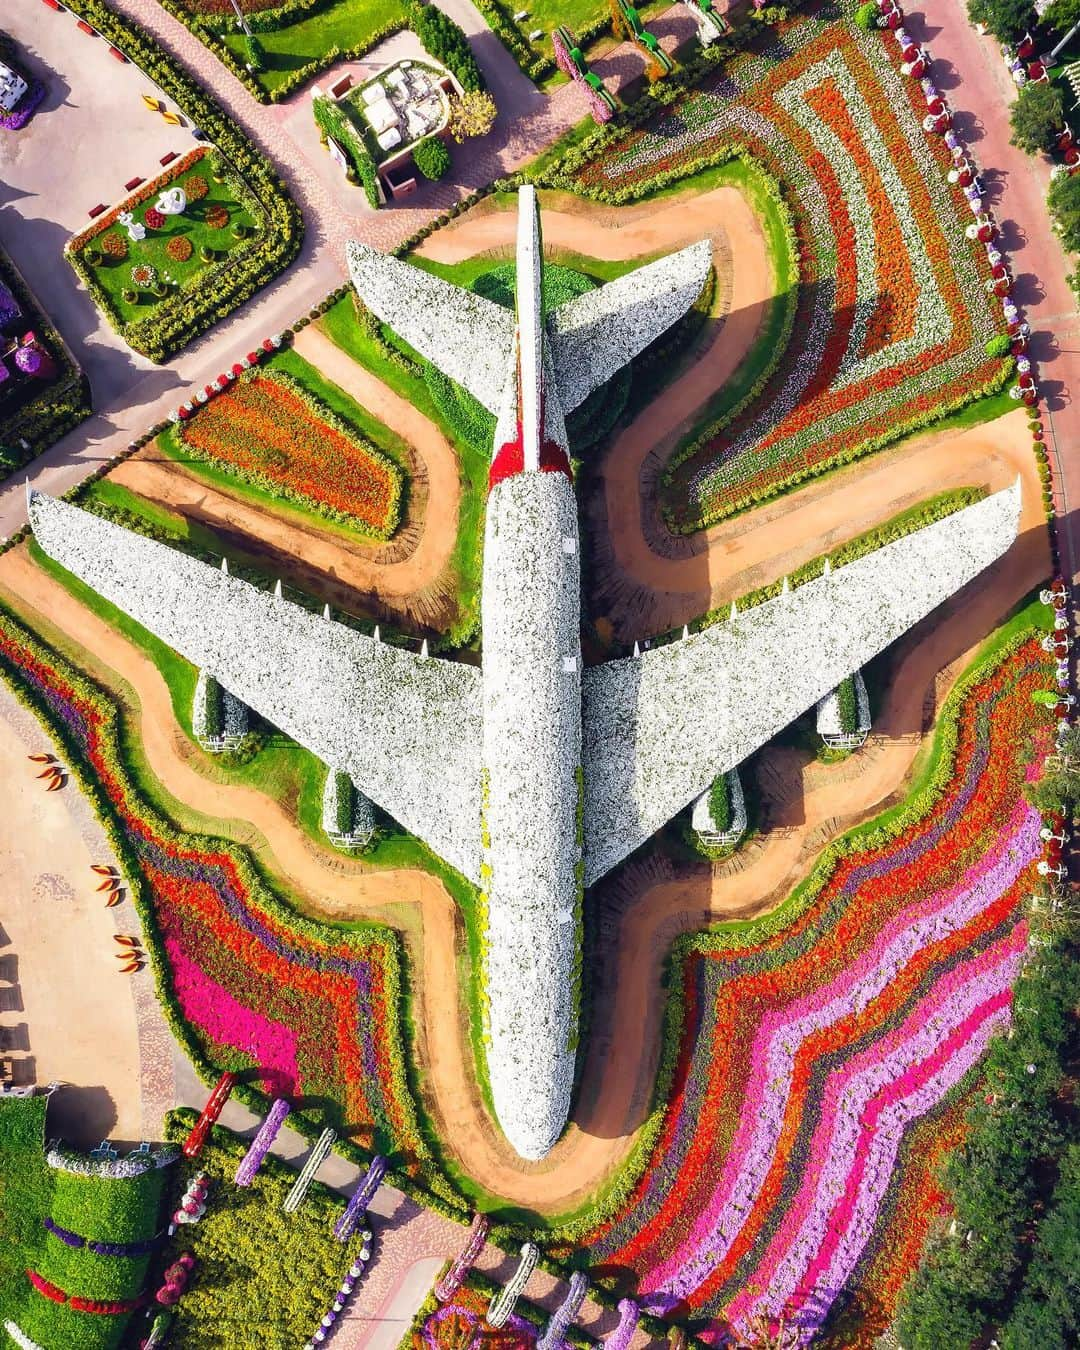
269 431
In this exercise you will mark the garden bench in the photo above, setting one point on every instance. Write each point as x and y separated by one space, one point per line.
118 55
96 210
133 183
342 85
84 27
168 159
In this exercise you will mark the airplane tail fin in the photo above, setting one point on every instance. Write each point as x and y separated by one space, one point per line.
467 337
595 334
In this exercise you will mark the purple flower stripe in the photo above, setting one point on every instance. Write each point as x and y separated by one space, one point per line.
261 1144
143 1248
361 1198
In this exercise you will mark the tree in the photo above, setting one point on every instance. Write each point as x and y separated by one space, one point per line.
473 114
1061 15
432 158
1008 20
1063 200
1038 117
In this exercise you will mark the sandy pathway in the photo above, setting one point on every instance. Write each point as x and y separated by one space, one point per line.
806 805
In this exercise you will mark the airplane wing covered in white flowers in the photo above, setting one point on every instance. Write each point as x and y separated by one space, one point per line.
657 729
597 333
406 728
469 338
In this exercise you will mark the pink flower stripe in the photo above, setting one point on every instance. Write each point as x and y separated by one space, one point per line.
784 1030
845 1230
226 1022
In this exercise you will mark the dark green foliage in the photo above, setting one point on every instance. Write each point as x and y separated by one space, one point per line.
1006 19
1058 790
256 54
848 706
1047 1312
1061 15
333 119
997 1179
1063 199
25 1192
720 804
441 37
1038 117
432 158
346 803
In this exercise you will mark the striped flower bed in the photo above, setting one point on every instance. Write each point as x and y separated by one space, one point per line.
268 430
808 1057
892 315
246 982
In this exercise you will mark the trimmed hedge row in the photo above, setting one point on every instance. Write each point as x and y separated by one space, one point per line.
333 120
180 318
61 405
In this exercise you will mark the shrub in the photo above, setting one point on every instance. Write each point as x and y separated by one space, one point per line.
1038 117
196 187
446 42
179 248
1006 19
866 16
255 52
473 114
432 158
999 345
720 804
114 246
332 120
1063 199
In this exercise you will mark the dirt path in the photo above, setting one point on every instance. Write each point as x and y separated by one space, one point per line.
807 804
408 576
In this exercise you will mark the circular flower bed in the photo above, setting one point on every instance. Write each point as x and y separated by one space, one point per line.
154 219
179 248
196 187
217 217
115 246
143 274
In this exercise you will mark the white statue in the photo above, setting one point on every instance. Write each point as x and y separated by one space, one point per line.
136 231
172 202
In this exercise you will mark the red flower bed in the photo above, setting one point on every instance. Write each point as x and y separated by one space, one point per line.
267 429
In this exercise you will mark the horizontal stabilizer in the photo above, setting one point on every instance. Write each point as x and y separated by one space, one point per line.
596 334
467 337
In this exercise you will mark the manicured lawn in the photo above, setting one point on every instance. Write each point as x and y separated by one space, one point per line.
345 24
115 276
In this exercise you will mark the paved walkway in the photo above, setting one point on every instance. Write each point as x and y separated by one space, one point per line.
970 70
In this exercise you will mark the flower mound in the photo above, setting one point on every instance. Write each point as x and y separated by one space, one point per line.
269 430
892 316
460 1321
808 1058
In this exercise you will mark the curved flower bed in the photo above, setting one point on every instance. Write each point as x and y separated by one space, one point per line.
892 315
245 981
809 1055
461 1321
267 429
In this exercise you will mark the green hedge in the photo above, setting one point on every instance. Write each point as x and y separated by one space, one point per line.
332 119
182 317
26 1183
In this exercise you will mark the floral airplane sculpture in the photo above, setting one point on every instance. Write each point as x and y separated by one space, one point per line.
531 776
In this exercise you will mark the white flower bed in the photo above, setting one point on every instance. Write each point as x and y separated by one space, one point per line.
133 1165
532 750
407 728
19 1336
468 337
596 334
659 728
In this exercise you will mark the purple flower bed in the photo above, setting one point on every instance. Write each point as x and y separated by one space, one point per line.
71 1239
26 106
